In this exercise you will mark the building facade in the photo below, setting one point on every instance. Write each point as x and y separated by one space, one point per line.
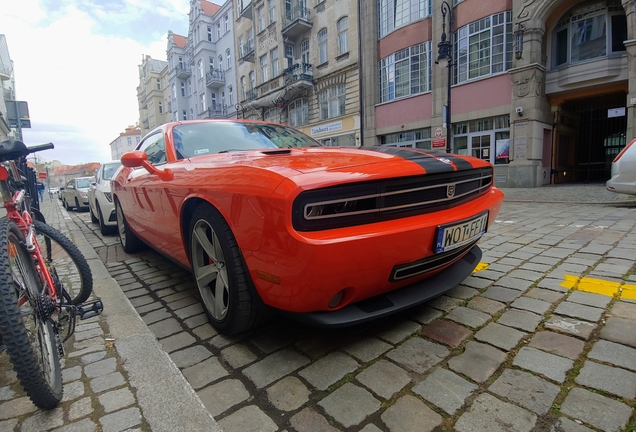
201 67
543 89
125 142
153 94
298 63
8 85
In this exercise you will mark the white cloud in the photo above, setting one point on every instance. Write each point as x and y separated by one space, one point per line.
80 86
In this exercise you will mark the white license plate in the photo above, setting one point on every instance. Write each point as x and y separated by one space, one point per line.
453 236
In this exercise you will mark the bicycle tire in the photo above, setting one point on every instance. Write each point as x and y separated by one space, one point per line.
34 357
71 265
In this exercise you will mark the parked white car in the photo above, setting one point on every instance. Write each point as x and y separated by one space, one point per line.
100 200
623 178
75 193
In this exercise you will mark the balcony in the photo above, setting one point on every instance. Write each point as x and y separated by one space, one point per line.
216 111
143 102
298 72
215 78
245 9
296 22
183 71
251 94
247 51
145 124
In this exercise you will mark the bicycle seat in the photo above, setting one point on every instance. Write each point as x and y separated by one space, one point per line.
12 149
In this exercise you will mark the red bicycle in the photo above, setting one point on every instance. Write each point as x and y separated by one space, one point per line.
35 306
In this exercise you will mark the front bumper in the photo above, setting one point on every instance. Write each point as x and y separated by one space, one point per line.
395 301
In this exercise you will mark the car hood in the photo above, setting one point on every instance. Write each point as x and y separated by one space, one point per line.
364 160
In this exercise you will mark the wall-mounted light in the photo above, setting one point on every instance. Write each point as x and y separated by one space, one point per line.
518 34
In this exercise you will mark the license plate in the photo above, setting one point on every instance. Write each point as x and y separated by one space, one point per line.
456 235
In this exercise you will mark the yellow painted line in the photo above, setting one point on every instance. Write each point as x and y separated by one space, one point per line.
481 266
600 286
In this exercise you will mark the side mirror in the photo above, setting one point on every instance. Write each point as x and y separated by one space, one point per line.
139 158
61 189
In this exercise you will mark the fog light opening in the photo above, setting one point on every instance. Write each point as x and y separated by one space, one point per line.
337 299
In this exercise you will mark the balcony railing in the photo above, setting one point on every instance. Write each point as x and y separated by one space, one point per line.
143 102
251 94
296 22
216 111
247 51
215 78
183 71
298 72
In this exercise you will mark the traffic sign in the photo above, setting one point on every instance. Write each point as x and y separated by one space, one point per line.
438 133
438 143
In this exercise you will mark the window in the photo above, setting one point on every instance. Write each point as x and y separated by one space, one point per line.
264 68
590 33
273 55
158 84
200 68
240 46
223 98
230 95
415 139
181 66
393 14
211 63
272 115
252 80
155 149
343 44
243 87
189 87
213 100
298 112
304 51
332 102
185 115
406 72
228 58
183 89
202 97
226 19
209 34
137 139
220 62
483 47
174 90
129 141
218 31
289 50
260 19
322 46
487 138
272 10
160 107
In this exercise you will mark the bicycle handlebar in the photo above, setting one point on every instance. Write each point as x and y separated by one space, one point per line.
40 147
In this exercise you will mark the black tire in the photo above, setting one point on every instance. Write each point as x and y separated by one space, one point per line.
103 228
70 264
229 298
29 340
129 241
66 206
93 218
77 206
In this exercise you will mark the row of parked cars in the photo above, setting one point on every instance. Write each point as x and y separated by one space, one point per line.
93 194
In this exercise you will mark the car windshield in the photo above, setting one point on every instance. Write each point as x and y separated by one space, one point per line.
82 183
196 139
109 170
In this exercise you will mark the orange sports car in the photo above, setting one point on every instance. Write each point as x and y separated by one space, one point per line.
265 217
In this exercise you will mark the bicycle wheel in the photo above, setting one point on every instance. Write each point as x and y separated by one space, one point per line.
30 341
69 263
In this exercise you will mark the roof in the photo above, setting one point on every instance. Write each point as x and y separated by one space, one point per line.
209 8
179 40
76 169
156 65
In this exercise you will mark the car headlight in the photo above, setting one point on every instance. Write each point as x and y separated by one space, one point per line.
108 196
83 194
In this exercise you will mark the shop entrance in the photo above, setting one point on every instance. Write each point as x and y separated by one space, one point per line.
590 132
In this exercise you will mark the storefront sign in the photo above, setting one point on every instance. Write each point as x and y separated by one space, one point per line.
329 127
616 112
438 143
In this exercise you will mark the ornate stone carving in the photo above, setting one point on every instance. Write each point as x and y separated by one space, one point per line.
529 83
524 14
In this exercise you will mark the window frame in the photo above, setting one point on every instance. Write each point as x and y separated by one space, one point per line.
343 39
323 49
327 100
410 60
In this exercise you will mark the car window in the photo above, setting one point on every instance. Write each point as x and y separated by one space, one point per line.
198 139
82 183
155 148
109 170
70 184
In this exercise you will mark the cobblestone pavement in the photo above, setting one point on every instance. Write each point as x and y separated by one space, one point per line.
540 338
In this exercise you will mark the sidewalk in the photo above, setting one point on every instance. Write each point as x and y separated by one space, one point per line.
116 375
594 193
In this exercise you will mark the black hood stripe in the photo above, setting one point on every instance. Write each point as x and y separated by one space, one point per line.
432 161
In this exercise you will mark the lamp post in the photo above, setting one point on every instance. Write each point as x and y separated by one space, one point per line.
445 59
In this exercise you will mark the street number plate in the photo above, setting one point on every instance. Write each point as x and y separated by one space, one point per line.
456 235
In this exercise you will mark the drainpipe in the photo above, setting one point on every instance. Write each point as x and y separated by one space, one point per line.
360 69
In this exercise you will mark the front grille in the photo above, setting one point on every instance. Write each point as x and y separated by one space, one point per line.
428 264
361 203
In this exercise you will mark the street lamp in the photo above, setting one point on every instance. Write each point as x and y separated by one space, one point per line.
445 59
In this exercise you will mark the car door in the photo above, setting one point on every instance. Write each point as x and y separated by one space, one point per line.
91 189
69 192
141 197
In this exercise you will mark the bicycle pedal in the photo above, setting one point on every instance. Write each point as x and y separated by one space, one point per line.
90 309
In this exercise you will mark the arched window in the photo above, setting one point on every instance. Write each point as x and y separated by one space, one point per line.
304 51
298 112
272 115
322 46
343 29
228 58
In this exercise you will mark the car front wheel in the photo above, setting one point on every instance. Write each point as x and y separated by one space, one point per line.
229 299
129 241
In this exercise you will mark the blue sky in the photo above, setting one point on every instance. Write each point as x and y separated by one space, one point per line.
75 63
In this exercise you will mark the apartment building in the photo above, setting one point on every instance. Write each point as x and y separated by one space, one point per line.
298 64
201 66
126 141
543 89
153 94
8 84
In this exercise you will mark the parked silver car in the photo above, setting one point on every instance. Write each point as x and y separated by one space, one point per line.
100 199
75 193
623 178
